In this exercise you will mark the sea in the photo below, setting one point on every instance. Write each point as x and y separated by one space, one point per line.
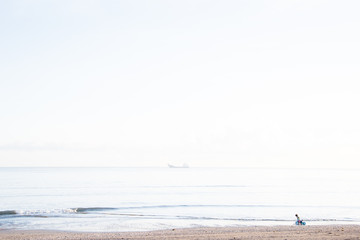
144 199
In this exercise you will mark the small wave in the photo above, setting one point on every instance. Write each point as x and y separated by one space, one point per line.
51 212
91 209
8 212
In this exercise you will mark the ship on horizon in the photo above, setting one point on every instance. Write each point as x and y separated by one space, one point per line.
185 165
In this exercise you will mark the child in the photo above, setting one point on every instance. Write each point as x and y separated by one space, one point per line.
299 222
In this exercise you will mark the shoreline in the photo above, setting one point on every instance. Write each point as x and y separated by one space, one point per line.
219 233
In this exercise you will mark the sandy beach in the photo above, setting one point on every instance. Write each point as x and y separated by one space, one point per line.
275 232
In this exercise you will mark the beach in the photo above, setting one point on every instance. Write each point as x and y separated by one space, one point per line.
116 199
349 232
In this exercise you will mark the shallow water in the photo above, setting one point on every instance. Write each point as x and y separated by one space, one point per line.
137 199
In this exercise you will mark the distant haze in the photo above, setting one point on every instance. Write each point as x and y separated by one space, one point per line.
207 83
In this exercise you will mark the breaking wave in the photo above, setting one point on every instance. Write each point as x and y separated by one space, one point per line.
8 212
91 209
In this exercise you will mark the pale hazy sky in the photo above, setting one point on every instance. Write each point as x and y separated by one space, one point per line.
211 83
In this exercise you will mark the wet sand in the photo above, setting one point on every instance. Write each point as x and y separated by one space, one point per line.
348 232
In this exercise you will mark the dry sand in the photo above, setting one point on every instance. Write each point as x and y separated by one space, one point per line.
281 232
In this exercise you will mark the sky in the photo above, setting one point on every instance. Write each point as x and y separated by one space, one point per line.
210 83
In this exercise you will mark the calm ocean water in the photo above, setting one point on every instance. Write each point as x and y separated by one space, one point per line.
138 199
